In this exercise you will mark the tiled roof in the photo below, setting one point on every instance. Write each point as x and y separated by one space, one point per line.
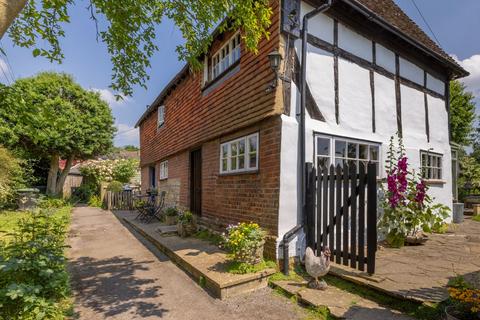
392 14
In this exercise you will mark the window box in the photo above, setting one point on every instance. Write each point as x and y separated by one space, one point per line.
239 155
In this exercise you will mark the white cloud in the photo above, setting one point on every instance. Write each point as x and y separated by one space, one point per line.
472 82
109 97
126 134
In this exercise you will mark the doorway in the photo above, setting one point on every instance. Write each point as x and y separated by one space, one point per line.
196 182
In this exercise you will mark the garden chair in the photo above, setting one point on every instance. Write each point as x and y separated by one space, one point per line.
144 208
157 210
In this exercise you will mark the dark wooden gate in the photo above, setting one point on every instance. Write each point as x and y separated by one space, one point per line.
341 213
196 182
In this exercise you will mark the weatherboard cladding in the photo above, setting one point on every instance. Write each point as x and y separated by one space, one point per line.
192 118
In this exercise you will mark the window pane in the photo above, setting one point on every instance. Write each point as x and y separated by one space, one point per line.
252 141
339 162
225 151
253 160
323 161
352 150
234 149
340 148
363 151
424 159
241 147
440 174
439 162
373 153
233 163
241 162
323 147
224 165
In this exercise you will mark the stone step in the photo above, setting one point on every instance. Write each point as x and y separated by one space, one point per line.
203 261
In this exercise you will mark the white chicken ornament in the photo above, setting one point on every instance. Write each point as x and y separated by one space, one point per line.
317 267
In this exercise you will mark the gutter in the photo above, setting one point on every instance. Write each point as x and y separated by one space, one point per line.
384 24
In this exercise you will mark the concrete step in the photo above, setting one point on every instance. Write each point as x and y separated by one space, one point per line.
204 262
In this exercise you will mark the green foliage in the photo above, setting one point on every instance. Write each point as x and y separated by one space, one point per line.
236 267
95 201
185 217
171 211
52 203
11 177
462 113
129 147
121 170
440 228
85 192
124 170
243 239
129 30
476 218
407 208
469 174
209 236
115 186
34 282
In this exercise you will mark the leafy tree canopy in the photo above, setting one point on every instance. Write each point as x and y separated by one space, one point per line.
462 113
129 31
51 115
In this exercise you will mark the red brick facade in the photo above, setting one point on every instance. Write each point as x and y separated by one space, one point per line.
197 117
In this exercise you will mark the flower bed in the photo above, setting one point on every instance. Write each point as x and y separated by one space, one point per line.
245 242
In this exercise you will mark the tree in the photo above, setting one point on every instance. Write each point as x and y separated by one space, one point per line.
462 113
129 31
51 115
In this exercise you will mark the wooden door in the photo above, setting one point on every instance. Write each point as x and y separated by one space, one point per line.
196 182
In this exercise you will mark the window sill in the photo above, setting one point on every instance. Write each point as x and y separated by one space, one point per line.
221 77
163 179
435 181
225 174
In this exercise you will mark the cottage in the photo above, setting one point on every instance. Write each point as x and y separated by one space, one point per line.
225 142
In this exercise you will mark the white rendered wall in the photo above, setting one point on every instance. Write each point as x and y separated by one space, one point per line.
321 26
355 109
354 43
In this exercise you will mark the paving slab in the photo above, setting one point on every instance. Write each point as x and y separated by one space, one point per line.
342 304
203 261
421 273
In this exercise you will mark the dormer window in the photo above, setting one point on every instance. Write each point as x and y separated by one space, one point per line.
226 56
161 116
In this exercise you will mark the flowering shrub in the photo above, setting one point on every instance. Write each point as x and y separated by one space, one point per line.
121 170
465 298
407 206
244 240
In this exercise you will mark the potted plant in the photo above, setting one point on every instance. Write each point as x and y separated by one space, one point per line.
171 215
408 211
245 241
465 301
186 225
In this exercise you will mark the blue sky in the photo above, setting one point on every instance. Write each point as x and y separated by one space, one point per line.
455 24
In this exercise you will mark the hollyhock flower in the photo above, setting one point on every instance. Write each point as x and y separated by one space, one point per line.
420 195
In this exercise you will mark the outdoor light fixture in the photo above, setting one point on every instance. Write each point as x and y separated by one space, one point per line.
275 59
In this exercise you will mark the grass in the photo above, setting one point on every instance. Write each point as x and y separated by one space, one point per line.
209 236
244 268
476 218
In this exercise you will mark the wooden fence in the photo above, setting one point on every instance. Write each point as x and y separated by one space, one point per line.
122 200
341 207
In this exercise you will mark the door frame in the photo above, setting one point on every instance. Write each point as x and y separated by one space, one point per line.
196 193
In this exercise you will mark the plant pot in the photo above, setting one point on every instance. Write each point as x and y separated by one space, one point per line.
418 239
251 256
186 229
170 220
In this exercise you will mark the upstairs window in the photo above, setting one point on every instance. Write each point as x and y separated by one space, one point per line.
432 164
226 56
239 155
163 170
161 116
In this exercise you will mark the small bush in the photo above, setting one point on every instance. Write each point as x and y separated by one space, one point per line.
52 203
84 192
34 282
95 201
243 240
476 218
115 186
185 217
11 177
171 212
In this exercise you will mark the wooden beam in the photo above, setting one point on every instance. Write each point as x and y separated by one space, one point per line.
372 84
335 70
425 97
398 98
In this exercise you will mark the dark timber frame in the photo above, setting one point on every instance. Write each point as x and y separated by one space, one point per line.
341 208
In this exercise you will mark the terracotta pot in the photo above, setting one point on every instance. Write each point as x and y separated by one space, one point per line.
254 256
186 230
170 220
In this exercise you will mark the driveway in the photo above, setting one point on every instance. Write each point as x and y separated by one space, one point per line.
117 276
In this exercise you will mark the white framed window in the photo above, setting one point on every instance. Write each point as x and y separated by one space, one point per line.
239 155
338 151
226 56
160 116
163 170
431 165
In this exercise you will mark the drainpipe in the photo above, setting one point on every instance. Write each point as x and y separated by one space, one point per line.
303 92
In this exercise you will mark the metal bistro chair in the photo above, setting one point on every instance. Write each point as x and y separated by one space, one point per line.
144 208
156 211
